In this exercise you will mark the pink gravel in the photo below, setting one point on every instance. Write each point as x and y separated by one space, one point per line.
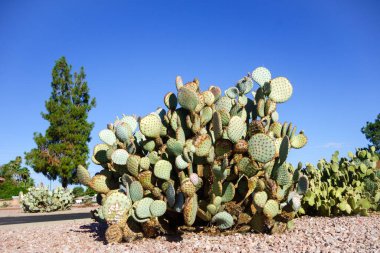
342 234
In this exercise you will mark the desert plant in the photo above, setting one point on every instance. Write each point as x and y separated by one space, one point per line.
343 186
215 160
40 199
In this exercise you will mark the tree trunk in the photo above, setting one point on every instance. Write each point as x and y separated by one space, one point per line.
64 182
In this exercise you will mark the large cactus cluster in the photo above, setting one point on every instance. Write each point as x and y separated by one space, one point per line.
215 160
40 199
343 186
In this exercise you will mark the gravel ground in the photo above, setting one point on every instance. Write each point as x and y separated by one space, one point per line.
343 234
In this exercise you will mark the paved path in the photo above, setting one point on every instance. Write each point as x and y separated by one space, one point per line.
43 218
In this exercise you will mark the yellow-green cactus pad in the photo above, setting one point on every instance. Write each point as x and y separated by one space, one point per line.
236 129
208 97
261 148
270 107
188 98
83 175
281 89
188 188
100 154
144 163
190 210
150 125
120 157
247 167
232 92
142 209
115 206
299 140
107 136
162 169
133 165
170 101
157 208
228 192
180 163
271 209
202 145
223 220
123 132
224 103
98 184
260 198
261 75
174 147
136 191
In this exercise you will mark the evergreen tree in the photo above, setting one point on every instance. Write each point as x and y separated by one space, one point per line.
372 132
64 145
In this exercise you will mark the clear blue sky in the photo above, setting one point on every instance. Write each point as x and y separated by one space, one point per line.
132 51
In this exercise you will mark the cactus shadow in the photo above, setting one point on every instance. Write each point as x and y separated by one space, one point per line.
96 231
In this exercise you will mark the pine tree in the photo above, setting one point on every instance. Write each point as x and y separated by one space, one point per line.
372 132
64 145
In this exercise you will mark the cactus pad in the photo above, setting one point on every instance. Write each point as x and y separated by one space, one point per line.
120 157
157 208
298 141
260 198
136 191
271 208
190 210
188 98
202 145
107 136
100 154
261 148
232 92
261 75
83 175
133 165
162 169
170 101
236 129
123 132
223 220
303 185
281 89
143 208
150 126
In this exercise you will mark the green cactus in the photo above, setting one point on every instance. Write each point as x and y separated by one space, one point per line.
224 149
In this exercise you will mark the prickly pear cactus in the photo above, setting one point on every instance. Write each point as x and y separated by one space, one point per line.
208 159
343 186
40 199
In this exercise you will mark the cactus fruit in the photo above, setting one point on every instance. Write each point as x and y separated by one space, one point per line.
211 158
